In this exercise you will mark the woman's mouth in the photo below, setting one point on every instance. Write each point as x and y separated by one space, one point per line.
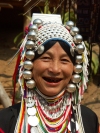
52 80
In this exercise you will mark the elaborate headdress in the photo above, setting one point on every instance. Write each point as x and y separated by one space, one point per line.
35 44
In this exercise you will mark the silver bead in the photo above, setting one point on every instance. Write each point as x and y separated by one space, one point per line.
71 88
27 74
30 44
30 84
28 65
40 49
38 22
30 55
33 28
78 38
32 35
69 24
79 59
78 69
76 78
80 48
74 31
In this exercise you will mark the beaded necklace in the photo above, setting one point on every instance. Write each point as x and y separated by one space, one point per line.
54 119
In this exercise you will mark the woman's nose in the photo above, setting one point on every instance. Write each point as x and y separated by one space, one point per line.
55 67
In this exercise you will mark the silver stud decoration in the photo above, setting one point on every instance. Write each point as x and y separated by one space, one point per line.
80 48
30 55
78 68
30 84
76 78
33 28
74 31
27 74
32 35
28 65
40 49
71 88
38 22
79 59
30 44
69 24
78 38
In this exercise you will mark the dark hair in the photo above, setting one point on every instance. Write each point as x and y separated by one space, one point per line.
66 47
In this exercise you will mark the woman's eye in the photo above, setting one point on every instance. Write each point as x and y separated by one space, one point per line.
45 58
64 60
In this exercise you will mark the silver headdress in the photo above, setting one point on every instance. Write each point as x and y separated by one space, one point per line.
34 45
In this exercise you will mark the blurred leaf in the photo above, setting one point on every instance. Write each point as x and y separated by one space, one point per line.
17 37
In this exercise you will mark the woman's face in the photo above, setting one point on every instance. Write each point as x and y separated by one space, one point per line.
52 71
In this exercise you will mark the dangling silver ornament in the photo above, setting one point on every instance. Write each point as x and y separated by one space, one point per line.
38 22
33 28
27 74
28 65
80 48
78 68
79 59
33 121
30 84
30 102
40 49
69 24
74 31
30 44
32 35
30 55
71 88
34 130
76 78
31 111
78 38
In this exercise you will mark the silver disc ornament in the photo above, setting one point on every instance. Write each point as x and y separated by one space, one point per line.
28 65
27 74
30 44
71 88
78 38
30 84
30 55
33 120
40 49
32 35
38 22
78 68
31 111
76 78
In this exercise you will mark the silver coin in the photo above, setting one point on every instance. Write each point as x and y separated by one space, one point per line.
33 120
34 130
31 111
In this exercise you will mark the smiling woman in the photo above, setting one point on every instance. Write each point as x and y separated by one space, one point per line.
52 70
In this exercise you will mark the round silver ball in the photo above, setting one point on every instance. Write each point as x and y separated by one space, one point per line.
28 65
78 38
80 48
74 31
33 28
30 55
71 88
32 35
30 84
78 69
79 59
27 74
69 24
38 22
30 44
76 78
40 49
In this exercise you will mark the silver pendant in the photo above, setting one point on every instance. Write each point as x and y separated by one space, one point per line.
31 111
33 121
34 130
